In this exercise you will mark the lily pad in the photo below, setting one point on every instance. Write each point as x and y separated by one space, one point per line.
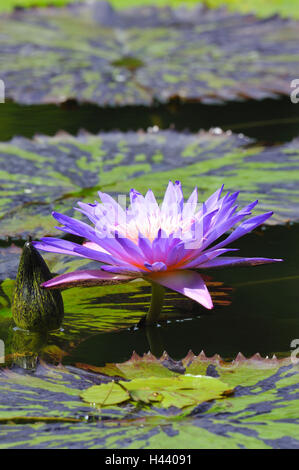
47 173
42 408
178 391
105 395
75 52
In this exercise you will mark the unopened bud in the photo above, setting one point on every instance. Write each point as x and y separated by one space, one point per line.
35 308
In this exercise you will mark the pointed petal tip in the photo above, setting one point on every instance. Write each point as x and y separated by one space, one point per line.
85 278
187 282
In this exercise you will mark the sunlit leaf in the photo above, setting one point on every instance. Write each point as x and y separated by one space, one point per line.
179 391
105 395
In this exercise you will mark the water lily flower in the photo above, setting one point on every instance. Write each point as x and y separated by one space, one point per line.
167 245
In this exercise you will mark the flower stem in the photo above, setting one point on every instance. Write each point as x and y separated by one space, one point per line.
153 314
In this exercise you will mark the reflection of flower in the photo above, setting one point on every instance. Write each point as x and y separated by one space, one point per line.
165 245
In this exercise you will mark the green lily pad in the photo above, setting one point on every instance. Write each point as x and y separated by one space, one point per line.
177 391
76 52
105 394
43 409
67 169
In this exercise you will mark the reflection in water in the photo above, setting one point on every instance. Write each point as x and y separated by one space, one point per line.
155 340
26 347
263 316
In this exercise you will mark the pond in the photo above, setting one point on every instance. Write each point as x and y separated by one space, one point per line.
266 120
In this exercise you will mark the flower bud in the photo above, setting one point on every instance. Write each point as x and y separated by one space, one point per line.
35 308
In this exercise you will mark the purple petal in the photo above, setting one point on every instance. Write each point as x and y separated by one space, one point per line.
237 261
249 207
179 195
199 230
175 252
151 203
85 278
244 228
159 245
88 210
188 283
191 204
132 250
95 246
146 247
108 200
74 226
220 229
157 266
96 255
213 199
127 270
169 201
56 245
206 257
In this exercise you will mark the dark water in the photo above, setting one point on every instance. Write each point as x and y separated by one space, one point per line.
263 316
267 120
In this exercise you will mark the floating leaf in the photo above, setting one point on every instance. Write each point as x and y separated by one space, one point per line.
81 52
105 395
136 367
179 391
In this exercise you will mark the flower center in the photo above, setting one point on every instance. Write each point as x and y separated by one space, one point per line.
149 226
